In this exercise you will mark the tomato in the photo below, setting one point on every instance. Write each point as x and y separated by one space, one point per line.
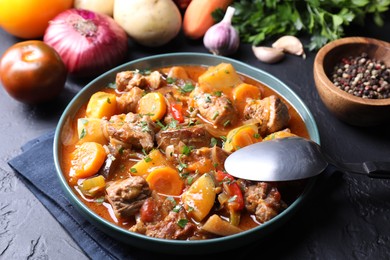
28 19
32 72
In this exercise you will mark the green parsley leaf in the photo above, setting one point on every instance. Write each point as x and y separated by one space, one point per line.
182 222
187 88
83 133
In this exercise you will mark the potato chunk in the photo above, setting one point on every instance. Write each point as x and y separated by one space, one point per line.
199 198
220 78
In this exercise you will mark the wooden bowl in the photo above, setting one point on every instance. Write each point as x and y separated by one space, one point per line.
351 109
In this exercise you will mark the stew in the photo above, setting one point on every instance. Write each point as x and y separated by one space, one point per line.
147 152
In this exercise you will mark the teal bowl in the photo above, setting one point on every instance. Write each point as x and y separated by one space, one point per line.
174 246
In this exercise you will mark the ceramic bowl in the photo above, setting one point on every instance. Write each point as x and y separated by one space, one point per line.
174 246
351 109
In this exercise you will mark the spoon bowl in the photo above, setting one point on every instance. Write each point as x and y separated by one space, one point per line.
292 158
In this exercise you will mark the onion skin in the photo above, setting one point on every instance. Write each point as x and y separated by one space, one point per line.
89 43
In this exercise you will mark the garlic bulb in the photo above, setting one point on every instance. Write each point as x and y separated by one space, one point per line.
222 38
268 54
290 44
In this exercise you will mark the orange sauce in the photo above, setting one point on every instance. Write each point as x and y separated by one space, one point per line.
296 125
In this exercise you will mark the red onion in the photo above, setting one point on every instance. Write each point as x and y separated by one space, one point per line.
89 43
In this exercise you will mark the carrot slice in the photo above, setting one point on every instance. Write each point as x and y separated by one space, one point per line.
153 104
87 159
244 91
165 180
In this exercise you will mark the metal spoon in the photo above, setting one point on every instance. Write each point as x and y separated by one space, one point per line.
292 158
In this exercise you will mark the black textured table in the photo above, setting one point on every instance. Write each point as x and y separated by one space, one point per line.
349 218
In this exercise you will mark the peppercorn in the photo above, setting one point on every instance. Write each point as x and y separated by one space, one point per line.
362 76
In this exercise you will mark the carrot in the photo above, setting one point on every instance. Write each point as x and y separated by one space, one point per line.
244 91
165 180
101 104
240 137
87 159
153 104
197 17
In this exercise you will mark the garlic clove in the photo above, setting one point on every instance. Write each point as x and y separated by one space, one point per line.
222 38
268 54
290 44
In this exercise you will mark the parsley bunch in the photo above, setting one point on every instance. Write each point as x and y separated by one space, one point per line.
324 20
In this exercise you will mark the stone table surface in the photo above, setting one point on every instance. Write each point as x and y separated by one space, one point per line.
349 219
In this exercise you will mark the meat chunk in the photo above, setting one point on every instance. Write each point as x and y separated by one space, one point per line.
132 130
164 221
218 110
127 196
168 228
126 80
263 200
128 101
271 112
194 136
154 80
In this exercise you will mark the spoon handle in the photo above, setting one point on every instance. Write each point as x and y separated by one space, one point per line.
373 169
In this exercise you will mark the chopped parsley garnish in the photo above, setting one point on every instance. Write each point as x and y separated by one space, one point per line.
171 80
182 222
213 142
176 208
144 126
181 166
158 122
218 93
83 133
186 150
216 114
146 158
187 88
133 170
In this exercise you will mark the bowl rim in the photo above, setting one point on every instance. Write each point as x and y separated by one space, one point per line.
178 246
321 77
